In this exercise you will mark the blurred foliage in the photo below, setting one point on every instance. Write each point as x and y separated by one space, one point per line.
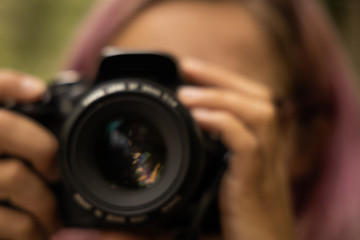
34 34
346 16
338 10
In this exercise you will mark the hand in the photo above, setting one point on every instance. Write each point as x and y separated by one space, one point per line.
23 177
254 196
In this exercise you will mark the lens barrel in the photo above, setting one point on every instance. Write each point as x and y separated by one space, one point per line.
130 152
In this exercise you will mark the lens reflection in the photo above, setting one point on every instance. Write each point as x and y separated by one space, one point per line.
131 154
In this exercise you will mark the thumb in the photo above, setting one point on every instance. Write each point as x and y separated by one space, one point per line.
20 87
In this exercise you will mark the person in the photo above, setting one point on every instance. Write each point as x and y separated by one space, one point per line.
268 77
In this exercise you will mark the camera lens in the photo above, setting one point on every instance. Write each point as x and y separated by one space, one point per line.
131 154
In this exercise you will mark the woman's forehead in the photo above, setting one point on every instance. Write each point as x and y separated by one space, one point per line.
221 32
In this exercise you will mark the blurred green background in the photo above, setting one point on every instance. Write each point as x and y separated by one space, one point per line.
34 34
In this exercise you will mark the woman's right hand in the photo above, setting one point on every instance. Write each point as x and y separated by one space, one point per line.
25 175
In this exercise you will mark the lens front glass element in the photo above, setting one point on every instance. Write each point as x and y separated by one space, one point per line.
128 153
131 153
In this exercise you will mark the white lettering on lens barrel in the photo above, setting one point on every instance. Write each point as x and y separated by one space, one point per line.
116 87
82 202
170 205
133 86
151 90
93 97
115 219
138 219
169 100
98 213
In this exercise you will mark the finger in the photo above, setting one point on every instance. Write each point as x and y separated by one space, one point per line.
252 112
17 225
76 234
164 235
24 189
121 236
24 138
211 75
238 139
19 86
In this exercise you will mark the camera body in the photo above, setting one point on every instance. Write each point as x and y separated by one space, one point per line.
130 153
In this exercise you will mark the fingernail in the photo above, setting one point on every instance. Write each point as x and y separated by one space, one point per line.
200 113
188 92
192 63
32 84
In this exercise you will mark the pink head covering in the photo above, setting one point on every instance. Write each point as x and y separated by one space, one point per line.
333 211
98 28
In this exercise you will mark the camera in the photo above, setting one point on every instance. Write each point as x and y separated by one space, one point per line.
130 153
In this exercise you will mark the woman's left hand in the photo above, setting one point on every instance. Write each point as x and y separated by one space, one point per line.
254 196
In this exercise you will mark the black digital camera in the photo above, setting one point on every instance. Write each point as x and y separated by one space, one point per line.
130 153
